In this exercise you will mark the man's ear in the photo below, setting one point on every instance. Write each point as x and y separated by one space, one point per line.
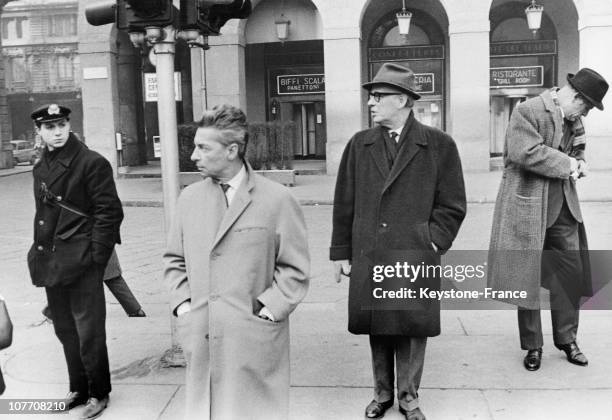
233 150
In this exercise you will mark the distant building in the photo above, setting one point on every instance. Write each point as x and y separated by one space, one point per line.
41 60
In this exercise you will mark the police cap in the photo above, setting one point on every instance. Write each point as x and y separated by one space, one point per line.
49 113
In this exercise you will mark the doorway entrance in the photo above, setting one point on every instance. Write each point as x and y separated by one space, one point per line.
310 129
501 110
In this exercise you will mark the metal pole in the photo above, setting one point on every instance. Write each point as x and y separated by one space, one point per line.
166 112
166 116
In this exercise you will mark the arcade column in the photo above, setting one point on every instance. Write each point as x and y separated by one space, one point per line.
469 87
595 32
98 55
343 93
225 72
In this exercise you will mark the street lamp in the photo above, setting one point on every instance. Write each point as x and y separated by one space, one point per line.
534 16
403 20
282 28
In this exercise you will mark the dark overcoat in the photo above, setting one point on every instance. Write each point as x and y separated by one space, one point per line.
379 211
531 161
65 243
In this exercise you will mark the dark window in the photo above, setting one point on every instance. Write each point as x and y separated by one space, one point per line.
62 25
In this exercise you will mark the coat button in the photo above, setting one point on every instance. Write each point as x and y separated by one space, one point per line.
214 297
59 198
206 336
39 247
41 222
383 224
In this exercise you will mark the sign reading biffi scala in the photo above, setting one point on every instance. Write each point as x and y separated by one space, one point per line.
300 84
507 77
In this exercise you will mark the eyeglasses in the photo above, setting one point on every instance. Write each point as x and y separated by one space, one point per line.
377 95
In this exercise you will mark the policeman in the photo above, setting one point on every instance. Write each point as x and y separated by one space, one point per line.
76 227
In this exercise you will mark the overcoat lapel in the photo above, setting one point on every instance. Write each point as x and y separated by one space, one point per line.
555 113
410 141
241 201
376 144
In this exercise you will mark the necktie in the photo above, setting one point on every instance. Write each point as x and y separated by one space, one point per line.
395 137
225 187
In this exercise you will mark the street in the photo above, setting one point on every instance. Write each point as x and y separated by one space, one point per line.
473 370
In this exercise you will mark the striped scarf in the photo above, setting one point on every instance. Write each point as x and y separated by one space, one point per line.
576 126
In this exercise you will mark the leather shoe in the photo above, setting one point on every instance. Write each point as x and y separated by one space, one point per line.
375 409
573 353
533 359
94 408
415 414
138 314
74 399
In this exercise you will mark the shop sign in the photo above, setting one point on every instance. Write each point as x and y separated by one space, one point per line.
426 52
300 84
508 77
523 48
150 84
424 82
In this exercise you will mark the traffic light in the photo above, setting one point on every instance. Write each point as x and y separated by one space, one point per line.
105 12
208 16
143 13
134 15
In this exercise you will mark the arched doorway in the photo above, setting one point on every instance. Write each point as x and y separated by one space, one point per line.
285 80
424 51
523 64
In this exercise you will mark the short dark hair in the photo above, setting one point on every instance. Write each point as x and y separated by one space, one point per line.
232 123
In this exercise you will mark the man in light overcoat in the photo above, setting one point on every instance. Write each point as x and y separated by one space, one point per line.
399 193
237 265
538 236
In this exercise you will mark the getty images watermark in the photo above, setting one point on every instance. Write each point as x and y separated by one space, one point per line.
458 273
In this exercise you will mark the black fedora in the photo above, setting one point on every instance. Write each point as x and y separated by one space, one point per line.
396 76
589 84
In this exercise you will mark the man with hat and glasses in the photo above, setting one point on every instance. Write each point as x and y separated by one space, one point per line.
399 198
76 227
538 236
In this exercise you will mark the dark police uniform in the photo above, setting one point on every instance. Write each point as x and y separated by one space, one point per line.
70 251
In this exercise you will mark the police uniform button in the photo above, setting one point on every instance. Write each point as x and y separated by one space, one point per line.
39 247
59 198
206 336
214 297
383 224
41 222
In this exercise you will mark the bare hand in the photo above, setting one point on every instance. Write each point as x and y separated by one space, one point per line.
341 268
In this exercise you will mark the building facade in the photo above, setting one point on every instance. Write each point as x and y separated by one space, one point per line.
41 61
475 60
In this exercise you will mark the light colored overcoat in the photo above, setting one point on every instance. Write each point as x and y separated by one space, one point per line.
229 262
531 161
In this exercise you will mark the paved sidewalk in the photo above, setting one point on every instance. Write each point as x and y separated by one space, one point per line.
472 371
481 187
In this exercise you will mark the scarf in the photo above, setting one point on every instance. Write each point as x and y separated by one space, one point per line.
576 127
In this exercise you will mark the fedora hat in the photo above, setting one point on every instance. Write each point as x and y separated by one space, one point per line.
589 84
394 75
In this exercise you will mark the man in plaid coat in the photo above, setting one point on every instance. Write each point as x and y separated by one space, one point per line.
538 236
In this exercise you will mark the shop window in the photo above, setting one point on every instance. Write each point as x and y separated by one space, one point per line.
62 25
